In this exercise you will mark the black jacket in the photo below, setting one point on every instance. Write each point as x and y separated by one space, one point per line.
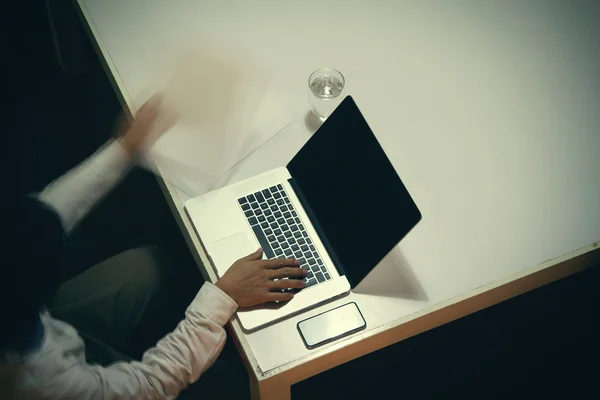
30 273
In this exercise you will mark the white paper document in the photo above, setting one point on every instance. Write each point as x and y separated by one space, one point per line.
226 109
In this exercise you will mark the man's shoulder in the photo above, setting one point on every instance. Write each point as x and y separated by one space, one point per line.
52 366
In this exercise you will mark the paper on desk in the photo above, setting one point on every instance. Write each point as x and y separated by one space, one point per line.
226 110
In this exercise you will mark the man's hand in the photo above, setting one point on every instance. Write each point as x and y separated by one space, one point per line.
250 280
149 124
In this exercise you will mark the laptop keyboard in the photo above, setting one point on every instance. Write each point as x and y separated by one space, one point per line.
280 231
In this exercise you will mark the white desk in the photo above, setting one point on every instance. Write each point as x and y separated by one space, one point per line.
488 112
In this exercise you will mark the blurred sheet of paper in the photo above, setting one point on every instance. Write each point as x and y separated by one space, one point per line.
226 110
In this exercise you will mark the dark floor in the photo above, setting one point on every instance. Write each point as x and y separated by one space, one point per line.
542 343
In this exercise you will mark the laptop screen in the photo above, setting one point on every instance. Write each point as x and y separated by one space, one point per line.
355 198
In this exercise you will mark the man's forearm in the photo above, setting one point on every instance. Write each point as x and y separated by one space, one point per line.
75 193
165 370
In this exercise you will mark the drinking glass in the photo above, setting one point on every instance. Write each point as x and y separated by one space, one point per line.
326 89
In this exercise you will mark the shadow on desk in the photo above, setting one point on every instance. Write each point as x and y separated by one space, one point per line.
312 122
535 345
393 277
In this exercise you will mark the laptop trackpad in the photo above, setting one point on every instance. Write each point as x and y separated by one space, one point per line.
229 250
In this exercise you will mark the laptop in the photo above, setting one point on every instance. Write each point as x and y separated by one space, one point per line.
339 207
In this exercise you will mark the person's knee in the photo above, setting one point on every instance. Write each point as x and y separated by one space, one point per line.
144 268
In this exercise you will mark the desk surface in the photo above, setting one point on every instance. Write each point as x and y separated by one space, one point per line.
489 113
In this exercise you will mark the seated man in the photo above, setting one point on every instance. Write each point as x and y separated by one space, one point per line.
64 341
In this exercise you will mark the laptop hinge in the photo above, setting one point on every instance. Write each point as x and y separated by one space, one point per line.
317 226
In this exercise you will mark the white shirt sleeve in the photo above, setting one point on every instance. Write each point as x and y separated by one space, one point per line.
177 360
75 193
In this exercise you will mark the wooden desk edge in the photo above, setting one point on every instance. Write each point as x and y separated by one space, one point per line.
432 317
175 203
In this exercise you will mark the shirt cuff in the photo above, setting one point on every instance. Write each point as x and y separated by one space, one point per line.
116 155
214 304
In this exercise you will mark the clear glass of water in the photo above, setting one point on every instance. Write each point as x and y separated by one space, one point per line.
326 89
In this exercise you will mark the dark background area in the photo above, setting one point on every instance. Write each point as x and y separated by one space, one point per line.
60 108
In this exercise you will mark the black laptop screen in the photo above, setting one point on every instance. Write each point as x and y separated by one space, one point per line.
356 199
